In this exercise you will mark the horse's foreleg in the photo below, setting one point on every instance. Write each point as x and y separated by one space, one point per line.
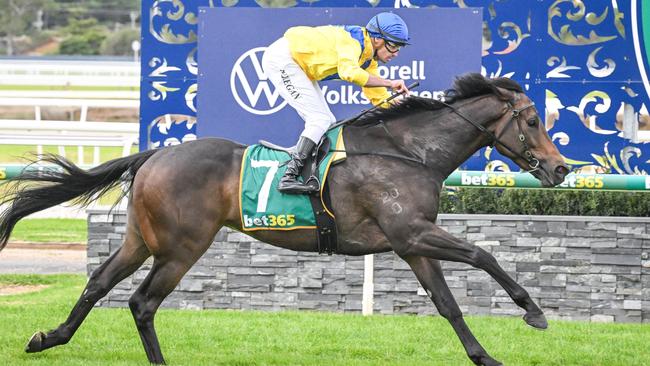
438 244
430 275
119 265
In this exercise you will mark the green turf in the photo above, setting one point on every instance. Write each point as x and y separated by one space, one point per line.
30 279
211 337
51 231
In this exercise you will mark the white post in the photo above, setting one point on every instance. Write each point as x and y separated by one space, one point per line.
96 156
80 155
83 115
368 285
135 46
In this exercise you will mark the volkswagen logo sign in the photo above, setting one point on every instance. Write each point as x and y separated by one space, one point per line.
251 88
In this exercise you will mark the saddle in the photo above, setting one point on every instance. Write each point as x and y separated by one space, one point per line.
310 170
325 224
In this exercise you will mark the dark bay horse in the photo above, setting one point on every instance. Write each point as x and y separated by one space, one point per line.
179 197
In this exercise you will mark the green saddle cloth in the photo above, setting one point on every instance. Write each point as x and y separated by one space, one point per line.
262 206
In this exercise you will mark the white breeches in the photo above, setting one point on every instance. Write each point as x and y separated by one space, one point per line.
303 94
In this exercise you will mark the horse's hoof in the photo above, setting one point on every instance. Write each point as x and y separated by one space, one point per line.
486 361
35 343
492 362
536 320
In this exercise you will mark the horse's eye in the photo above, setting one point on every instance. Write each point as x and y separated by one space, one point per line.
532 122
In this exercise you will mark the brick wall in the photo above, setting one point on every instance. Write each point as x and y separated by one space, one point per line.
585 268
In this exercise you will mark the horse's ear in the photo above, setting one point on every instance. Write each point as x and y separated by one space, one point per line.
504 93
507 83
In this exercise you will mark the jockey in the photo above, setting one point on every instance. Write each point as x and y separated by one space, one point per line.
306 55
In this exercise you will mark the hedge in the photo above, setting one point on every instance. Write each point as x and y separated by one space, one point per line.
544 202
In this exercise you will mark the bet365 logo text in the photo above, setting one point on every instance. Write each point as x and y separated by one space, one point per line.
269 221
488 180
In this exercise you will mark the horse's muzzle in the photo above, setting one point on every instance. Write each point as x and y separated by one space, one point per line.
561 172
550 174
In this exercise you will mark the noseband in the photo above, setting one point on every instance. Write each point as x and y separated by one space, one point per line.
527 155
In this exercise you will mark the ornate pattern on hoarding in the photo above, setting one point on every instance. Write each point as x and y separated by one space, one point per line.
584 63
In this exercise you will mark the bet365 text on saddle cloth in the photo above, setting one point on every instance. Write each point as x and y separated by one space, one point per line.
263 207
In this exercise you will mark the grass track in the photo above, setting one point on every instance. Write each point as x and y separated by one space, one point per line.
216 337
51 231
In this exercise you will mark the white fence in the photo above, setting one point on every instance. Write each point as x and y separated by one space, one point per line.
113 84
82 104
65 133
70 73
76 84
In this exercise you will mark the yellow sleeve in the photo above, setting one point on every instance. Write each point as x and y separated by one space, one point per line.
348 53
376 94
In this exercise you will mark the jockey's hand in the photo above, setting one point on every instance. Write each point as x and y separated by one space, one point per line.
398 100
399 86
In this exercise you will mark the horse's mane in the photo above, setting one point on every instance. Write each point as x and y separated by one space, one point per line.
465 87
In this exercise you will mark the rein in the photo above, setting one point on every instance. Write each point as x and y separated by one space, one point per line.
412 158
533 162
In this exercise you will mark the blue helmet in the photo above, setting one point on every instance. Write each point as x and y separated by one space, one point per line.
390 27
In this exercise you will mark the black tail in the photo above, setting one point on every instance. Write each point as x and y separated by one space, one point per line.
65 183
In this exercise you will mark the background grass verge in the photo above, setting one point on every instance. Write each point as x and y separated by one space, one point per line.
220 337
51 231
17 154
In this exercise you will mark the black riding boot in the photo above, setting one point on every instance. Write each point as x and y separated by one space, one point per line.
289 182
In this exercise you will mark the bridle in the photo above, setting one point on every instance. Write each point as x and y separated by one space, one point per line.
527 155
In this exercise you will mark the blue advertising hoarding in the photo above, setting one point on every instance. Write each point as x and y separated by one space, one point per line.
238 102
585 64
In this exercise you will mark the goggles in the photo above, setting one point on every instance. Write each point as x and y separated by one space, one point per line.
392 47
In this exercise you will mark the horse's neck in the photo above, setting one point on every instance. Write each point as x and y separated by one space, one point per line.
444 143
453 140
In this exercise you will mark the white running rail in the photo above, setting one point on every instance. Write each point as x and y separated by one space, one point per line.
76 84
66 133
69 73
83 104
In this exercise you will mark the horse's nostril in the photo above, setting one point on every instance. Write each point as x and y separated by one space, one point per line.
561 170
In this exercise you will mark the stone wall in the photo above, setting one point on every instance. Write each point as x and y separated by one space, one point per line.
585 268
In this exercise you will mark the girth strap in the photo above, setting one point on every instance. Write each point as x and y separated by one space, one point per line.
326 234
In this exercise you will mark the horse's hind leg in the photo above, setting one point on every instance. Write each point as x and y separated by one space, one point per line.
119 266
430 275
165 274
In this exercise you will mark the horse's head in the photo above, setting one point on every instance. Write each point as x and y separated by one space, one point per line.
498 109
522 137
